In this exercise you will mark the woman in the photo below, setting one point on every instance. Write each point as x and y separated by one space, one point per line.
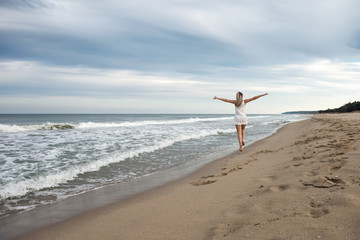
240 118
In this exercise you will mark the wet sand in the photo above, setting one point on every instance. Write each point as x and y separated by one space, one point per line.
301 183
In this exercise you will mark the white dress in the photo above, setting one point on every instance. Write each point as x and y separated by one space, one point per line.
240 115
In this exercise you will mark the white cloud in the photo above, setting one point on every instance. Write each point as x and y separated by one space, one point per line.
61 80
132 88
179 52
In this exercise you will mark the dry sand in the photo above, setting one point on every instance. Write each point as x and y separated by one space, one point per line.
301 183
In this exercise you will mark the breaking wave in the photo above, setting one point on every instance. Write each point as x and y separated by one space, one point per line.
54 179
84 125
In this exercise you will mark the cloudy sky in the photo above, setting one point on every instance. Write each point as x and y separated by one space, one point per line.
173 56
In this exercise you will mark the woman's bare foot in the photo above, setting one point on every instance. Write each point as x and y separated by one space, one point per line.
243 143
240 149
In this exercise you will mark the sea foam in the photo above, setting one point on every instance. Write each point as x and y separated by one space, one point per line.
54 179
83 125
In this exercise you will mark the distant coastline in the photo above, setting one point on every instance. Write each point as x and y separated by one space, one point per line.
301 112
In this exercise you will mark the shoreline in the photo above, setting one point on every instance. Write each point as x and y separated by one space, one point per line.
104 162
43 216
243 194
48 214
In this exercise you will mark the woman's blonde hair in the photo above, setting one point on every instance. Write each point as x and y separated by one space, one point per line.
239 99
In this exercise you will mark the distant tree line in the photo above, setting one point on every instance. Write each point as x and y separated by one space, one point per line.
349 107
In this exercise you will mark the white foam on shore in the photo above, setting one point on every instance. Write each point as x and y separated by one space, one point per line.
54 179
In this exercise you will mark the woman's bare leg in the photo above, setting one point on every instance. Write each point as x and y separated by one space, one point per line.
243 134
238 129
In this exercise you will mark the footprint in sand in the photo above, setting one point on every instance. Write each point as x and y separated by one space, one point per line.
321 207
326 182
318 212
336 166
297 165
311 173
202 181
317 209
321 146
234 169
297 159
211 178
221 174
293 166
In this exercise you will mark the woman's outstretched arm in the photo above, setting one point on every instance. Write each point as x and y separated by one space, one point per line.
225 100
254 98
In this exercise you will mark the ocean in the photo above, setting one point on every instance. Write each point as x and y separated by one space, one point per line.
45 158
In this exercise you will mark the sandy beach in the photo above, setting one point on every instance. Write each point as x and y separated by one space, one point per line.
301 183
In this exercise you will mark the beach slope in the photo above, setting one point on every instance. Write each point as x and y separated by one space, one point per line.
301 183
